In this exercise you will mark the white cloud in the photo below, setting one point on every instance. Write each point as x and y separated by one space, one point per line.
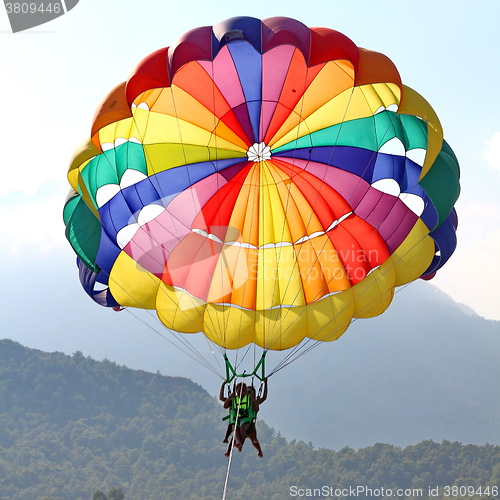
492 153
472 275
32 224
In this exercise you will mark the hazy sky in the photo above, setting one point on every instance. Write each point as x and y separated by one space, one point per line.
54 76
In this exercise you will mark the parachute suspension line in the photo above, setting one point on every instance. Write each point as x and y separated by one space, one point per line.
211 345
193 354
196 355
254 358
187 348
300 350
301 346
231 372
178 336
200 358
245 354
289 359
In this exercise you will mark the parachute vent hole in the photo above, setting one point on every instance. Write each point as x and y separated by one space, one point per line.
233 35
100 287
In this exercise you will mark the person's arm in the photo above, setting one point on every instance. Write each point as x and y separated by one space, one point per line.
253 399
222 397
264 396
228 401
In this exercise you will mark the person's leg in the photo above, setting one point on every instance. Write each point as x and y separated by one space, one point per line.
252 434
244 432
240 435
229 446
228 433
231 428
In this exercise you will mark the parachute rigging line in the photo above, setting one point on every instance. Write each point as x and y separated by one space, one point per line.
300 349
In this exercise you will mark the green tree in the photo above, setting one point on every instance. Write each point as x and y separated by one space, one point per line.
116 493
99 495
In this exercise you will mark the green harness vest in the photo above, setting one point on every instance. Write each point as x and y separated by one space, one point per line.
246 413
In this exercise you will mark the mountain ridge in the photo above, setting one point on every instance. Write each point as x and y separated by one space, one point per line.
72 426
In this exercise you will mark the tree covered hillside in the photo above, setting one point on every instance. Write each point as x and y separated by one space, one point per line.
70 426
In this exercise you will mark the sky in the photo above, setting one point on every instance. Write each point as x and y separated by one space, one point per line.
54 76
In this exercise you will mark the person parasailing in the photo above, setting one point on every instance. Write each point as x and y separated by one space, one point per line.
251 431
243 404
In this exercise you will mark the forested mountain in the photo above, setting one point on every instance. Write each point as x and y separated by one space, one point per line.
72 428
425 369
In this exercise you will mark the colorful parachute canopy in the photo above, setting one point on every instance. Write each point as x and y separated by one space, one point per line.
261 181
